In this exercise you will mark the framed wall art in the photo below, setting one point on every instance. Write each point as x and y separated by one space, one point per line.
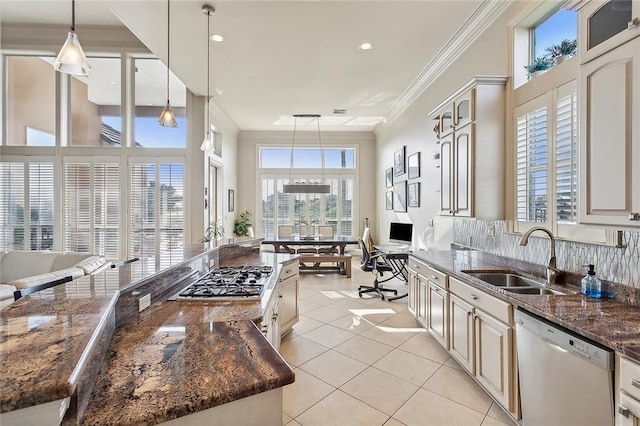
414 166
399 161
413 199
389 200
400 196
388 176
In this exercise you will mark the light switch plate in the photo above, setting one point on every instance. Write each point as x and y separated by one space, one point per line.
144 302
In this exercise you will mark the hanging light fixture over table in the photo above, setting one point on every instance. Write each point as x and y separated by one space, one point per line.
167 118
71 58
306 187
207 143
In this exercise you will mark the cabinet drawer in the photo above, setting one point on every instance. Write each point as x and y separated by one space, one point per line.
437 277
497 308
630 377
417 266
289 270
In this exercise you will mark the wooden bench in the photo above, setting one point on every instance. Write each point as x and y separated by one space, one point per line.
342 260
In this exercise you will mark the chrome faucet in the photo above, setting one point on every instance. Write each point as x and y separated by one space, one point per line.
552 270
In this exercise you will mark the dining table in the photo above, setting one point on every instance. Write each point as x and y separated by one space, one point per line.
289 244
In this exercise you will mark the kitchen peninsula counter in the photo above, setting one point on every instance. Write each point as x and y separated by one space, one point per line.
183 357
612 323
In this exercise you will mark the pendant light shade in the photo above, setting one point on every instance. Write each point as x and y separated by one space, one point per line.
167 118
306 187
71 58
207 143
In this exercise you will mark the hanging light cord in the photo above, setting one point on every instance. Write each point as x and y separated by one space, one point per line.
73 15
293 141
168 44
208 61
322 156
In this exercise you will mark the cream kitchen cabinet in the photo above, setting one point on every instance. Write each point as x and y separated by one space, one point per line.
288 283
605 25
418 288
471 136
437 301
610 137
627 392
481 339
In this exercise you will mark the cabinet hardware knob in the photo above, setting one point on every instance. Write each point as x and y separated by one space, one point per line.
468 313
632 24
635 383
288 271
274 317
634 216
473 296
623 410
416 266
434 277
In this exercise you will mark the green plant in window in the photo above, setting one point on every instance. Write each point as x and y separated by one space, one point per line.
541 63
215 231
241 225
565 48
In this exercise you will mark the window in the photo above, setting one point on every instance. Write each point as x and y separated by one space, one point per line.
37 137
562 25
567 157
91 208
307 158
150 102
27 210
156 211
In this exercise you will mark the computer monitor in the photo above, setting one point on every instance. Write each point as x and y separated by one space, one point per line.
401 233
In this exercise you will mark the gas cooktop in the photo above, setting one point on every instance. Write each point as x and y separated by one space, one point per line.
229 283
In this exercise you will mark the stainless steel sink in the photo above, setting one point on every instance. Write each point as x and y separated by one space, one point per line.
514 283
505 279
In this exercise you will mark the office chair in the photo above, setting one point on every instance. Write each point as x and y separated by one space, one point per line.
376 263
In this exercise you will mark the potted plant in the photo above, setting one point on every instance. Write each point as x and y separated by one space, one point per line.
561 52
538 66
215 231
242 226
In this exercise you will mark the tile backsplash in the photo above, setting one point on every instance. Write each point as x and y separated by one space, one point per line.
619 265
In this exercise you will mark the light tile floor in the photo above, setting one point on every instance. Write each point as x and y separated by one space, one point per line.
363 361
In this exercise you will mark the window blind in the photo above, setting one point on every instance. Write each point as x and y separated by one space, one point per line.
41 208
12 206
567 158
531 166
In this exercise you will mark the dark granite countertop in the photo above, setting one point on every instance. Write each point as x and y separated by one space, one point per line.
610 322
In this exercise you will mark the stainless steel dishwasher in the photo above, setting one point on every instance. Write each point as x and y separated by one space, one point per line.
565 379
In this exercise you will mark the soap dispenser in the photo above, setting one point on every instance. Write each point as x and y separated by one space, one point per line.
590 285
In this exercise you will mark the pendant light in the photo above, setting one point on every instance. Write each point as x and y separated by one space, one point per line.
71 58
167 119
305 187
207 143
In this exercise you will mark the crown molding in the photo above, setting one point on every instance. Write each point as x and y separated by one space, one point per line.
471 29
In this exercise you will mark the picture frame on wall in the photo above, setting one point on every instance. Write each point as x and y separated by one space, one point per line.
232 200
413 168
399 161
388 176
400 196
389 200
413 198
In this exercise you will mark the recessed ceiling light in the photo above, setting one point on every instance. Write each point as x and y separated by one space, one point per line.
218 38
365 46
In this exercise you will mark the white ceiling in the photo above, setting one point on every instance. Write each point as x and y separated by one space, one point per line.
280 58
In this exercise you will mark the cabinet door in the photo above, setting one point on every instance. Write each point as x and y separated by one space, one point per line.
494 357
288 312
447 120
413 291
461 332
604 25
463 171
446 175
464 109
421 302
610 137
437 313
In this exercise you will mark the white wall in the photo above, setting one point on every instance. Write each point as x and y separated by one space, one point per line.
486 56
365 191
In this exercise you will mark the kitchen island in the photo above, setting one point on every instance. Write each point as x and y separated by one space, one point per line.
183 357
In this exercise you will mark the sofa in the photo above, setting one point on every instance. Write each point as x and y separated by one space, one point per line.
24 269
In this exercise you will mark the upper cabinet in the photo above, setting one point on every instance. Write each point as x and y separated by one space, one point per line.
610 137
604 25
470 131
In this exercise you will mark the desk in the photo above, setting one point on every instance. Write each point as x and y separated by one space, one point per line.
396 256
282 245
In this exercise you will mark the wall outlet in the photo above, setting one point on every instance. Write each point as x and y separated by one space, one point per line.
430 222
144 302
491 230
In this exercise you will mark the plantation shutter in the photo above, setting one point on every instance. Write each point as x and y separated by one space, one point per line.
12 206
567 158
41 209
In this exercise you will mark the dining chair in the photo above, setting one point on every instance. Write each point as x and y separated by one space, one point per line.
285 231
326 232
306 230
